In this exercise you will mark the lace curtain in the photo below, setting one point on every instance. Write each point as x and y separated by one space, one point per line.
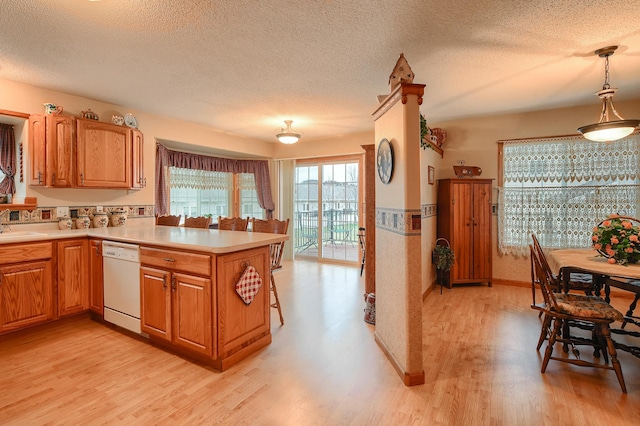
199 179
560 188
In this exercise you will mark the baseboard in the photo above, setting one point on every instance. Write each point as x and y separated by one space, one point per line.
512 283
409 379
428 291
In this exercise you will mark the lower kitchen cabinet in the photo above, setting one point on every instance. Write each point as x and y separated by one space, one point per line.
177 307
73 288
26 285
96 279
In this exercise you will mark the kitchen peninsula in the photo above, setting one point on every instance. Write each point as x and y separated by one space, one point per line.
187 285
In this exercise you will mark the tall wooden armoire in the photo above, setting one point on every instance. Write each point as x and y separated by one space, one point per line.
464 219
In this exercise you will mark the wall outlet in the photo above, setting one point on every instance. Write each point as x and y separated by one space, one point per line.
99 208
62 211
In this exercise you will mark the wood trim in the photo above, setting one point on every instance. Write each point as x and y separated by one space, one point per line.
409 379
500 164
512 283
369 210
336 159
14 113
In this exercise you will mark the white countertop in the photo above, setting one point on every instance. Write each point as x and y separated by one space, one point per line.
206 240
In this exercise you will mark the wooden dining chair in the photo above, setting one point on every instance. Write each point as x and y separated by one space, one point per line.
197 222
168 220
568 279
233 223
273 226
560 309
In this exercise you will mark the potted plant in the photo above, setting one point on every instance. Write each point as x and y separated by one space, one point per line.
444 258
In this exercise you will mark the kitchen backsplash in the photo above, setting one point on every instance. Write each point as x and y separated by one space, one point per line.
49 214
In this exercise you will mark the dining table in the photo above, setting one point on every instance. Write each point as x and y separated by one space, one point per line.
605 275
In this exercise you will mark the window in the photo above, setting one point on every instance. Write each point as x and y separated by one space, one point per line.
249 206
560 188
201 193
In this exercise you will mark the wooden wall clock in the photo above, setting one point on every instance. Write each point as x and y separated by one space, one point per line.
385 161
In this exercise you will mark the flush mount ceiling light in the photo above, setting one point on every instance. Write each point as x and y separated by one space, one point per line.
608 130
288 136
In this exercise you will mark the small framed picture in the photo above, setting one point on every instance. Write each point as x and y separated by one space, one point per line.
431 174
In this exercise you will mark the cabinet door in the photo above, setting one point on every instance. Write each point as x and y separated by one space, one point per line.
237 322
482 231
104 155
60 137
37 150
73 288
155 300
192 313
96 280
26 295
462 231
138 180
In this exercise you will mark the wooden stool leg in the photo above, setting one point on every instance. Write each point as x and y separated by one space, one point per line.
277 304
606 333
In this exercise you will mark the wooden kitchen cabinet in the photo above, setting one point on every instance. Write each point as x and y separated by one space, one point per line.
464 219
103 155
138 180
26 285
175 303
237 322
37 150
73 287
51 152
96 280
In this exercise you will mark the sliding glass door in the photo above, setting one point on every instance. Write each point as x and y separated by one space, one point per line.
326 209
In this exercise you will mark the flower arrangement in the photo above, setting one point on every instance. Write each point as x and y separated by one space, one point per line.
618 239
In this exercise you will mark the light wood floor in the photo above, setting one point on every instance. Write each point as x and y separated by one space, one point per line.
323 368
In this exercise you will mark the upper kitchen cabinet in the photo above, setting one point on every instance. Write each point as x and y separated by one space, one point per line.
51 140
71 152
37 150
138 181
103 155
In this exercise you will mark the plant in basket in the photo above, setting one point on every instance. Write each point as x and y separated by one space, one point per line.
617 238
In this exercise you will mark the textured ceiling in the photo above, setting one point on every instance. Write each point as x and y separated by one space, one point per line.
244 66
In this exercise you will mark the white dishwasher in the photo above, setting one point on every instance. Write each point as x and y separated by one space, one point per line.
121 263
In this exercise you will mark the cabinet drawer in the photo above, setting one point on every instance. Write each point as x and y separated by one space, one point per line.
199 264
25 252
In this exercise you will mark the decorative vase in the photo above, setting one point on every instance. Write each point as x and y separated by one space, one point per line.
118 218
100 220
83 221
50 108
64 223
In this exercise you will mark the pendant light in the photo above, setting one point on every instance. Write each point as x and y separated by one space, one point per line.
288 136
608 130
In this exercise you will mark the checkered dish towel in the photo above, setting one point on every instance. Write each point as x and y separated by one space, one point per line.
248 285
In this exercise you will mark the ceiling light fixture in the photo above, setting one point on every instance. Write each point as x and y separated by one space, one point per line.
288 136
608 130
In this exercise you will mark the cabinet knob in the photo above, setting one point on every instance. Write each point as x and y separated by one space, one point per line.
173 284
168 259
164 281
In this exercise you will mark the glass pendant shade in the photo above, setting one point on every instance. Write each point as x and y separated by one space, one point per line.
608 130
288 136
